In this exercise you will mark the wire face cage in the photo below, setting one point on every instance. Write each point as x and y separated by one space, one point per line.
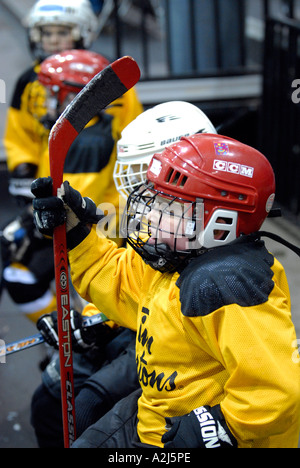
164 229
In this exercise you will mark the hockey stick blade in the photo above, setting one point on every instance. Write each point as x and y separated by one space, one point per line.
38 339
104 88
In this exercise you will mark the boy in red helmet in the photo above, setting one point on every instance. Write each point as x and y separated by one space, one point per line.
209 303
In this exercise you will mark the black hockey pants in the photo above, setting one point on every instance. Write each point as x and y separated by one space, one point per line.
97 391
116 429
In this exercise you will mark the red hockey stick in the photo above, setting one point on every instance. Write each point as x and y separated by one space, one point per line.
103 89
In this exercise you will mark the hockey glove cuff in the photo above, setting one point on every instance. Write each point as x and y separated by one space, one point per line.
204 427
20 180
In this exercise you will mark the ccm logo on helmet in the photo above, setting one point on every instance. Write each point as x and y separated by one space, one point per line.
234 168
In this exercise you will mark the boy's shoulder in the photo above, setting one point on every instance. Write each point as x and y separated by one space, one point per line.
238 273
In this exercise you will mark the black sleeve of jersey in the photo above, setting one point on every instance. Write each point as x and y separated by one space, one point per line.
238 273
91 151
27 77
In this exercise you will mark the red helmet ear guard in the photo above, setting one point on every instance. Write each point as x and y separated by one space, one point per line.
225 173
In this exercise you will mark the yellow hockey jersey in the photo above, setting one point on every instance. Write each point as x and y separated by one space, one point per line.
24 135
221 332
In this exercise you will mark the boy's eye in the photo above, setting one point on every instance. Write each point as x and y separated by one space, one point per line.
63 33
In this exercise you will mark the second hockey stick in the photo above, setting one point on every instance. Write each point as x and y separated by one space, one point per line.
37 339
104 88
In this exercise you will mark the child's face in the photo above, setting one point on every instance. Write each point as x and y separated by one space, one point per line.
170 222
174 225
56 39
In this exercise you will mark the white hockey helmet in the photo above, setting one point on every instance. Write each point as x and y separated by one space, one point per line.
151 132
78 14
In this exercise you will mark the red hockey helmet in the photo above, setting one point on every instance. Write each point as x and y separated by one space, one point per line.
69 71
230 183
224 173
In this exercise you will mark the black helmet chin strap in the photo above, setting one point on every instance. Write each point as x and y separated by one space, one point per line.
276 213
275 237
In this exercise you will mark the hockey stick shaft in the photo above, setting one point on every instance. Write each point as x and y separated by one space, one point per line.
103 89
38 339
19 345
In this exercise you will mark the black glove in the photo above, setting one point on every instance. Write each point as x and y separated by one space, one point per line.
83 337
204 427
50 211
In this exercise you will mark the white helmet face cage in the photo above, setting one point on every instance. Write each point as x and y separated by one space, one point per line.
151 132
128 176
163 229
